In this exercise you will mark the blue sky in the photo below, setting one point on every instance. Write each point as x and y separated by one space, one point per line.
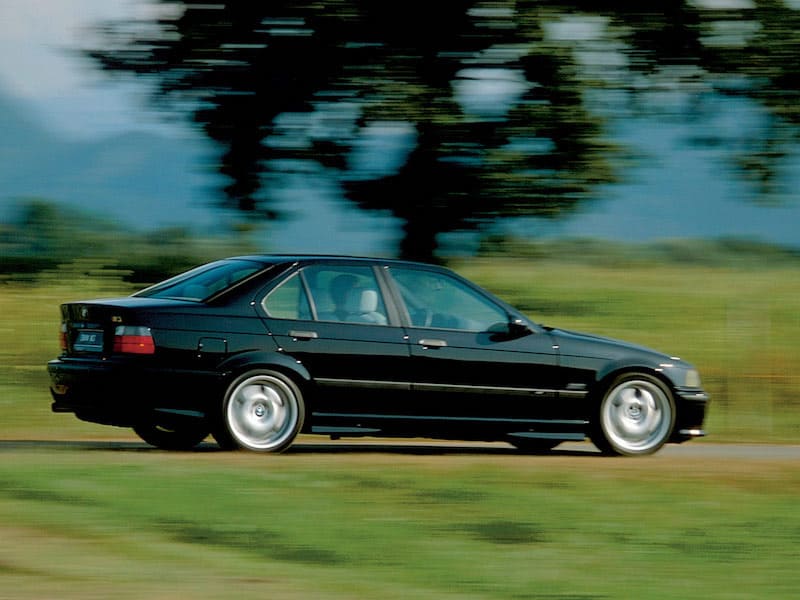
683 191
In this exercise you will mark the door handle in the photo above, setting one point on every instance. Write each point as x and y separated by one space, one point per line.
303 335
432 343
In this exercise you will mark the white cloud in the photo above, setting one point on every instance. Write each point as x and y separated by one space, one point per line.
36 37
40 64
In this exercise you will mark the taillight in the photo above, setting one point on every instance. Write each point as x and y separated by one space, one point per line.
62 337
133 340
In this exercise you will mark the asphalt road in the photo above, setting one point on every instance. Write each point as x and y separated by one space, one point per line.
312 445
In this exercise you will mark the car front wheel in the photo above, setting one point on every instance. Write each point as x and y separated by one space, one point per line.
263 411
636 416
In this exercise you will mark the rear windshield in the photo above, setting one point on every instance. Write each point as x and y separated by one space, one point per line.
203 282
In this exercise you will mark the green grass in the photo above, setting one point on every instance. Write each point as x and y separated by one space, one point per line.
140 523
93 520
29 326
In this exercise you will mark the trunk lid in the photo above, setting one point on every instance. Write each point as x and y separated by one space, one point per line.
92 328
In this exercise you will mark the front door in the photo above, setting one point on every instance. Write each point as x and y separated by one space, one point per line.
471 370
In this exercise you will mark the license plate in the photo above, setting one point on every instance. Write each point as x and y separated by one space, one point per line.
89 340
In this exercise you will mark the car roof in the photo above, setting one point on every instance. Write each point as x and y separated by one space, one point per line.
267 259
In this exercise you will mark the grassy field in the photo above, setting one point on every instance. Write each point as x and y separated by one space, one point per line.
96 519
129 522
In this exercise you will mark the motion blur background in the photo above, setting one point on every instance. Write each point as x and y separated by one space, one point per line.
416 129
620 167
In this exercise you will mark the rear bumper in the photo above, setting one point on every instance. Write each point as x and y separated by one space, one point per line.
124 393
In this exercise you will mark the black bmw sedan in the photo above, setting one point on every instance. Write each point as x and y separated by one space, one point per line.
257 349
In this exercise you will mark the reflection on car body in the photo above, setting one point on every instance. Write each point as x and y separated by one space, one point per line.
257 349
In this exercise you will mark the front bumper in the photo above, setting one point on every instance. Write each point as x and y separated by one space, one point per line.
692 409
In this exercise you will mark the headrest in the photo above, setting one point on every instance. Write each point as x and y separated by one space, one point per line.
369 301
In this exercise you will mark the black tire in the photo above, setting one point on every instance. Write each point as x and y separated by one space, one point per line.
635 417
223 438
533 446
263 411
178 437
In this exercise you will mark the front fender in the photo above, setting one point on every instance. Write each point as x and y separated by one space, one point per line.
651 366
671 371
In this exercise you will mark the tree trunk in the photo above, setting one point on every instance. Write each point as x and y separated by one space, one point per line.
419 241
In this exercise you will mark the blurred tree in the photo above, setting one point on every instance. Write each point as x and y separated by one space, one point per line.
498 115
40 234
280 82
735 48
33 239
235 67
754 55
493 98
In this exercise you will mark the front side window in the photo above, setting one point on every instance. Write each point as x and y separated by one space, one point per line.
439 301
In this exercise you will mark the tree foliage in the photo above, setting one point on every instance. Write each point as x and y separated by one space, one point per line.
40 235
494 99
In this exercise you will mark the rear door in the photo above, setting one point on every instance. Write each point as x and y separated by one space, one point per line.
335 319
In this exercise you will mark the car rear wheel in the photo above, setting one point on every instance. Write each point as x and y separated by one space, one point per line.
172 437
636 416
223 438
263 411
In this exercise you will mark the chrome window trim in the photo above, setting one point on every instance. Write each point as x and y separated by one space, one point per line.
445 387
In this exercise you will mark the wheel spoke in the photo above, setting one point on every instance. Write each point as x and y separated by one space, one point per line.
263 412
636 416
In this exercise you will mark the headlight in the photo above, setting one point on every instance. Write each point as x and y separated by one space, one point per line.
692 378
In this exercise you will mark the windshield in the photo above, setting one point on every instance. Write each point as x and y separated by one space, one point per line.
202 282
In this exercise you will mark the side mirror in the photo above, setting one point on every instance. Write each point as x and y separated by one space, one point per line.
518 327
514 328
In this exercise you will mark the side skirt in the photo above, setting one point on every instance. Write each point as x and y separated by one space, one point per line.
475 428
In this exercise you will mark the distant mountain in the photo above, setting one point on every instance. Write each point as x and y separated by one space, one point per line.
144 180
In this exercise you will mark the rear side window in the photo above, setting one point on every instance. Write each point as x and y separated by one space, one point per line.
203 282
288 301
